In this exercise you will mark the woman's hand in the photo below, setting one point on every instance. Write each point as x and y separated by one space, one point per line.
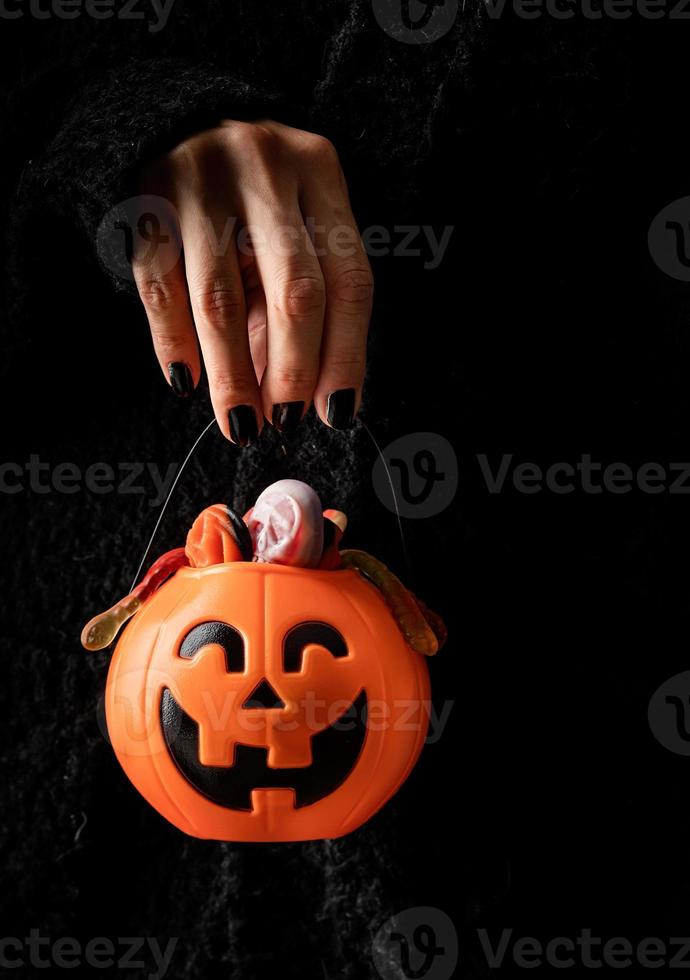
268 272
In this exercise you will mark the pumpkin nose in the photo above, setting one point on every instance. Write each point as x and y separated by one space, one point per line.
263 696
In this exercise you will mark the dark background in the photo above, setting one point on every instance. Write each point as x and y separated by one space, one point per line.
547 332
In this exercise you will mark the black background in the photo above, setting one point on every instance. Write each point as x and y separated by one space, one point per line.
547 332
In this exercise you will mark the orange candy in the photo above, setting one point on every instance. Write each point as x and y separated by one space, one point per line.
211 540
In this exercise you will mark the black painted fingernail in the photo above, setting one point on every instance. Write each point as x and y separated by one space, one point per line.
286 416
340 408
181 380
244 429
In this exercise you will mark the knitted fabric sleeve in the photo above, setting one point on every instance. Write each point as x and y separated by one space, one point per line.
118 120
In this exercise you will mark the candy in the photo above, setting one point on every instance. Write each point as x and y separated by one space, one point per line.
100 631
213 539
286 525
334 524
401 602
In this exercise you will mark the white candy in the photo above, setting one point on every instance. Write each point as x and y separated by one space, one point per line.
286 525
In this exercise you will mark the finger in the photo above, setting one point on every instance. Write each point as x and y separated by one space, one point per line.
159 276
295 303
258 339
256 314
218 304
349 296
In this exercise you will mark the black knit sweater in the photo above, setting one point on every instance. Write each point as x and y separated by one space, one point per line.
544 332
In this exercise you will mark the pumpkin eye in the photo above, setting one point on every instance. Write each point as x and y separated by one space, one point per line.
301 636
225 636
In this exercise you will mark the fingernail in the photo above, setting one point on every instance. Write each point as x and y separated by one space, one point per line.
244 429
340 408
181 380
286 416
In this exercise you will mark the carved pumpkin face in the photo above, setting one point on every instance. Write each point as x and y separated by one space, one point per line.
258 702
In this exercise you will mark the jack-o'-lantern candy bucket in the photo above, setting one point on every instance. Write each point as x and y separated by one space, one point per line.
268 686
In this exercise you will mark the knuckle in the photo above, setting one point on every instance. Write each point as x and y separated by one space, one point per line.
235 380
220 301
301 296
353 287
197 164
169 344
320 150
260 154
185 162
263 139
158 293
254 138
348 366
180 156
294 378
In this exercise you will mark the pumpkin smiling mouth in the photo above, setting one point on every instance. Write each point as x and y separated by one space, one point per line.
335 752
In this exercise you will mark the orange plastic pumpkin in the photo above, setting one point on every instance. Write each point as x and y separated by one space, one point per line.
260 702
